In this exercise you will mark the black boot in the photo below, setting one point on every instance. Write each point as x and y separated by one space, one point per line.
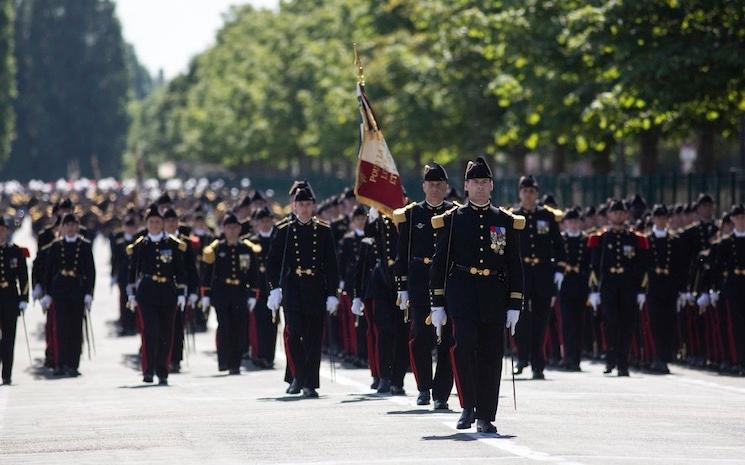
385 386
310 393
147 379
623 372
441 405
423 398
467 417
375 384
486 427
538 375
162 381
294 387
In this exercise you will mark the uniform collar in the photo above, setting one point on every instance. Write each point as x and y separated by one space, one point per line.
576 234
477 207
659 233
156 237
72 239
266 234
433 207
737 233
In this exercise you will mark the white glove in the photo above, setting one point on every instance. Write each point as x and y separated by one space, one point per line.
88 300
36 294
438 316
558 279
331 304
251 304
114 281
181 302
403 300
703 301
46 301
193 299
205 302
341 285
275 299
594 300
22 306
131 302
358 307
512 318
681 302
714 296
641 298
373 214
688 296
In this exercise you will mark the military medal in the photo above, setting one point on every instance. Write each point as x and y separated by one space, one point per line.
498 239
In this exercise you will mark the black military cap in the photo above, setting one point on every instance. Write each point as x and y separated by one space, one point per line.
65 205
164 199
549 200
478 169
679 209
348 193
152 211
726 218
617 206
660 210
528 182
704 198
70 218
304 194
245 202
258 196
199 213
262 213
638 201
590 211
737 209
4 222
434 172
453 194
689 208
230 218
359 210
603 210
169 213
304 184
130 221
571 214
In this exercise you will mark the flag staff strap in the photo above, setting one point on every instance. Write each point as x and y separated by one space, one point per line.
358 65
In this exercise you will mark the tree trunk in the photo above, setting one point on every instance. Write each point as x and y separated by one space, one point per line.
649 151
601 163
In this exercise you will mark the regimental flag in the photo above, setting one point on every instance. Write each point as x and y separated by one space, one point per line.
378 183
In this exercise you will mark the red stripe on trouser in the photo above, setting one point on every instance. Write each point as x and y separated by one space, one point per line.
456 374
288 351
143 349
731 334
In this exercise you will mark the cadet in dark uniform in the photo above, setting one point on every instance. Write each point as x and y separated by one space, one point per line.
266 327
230 282
666 278
618 258
120 273
157 285
542 249
416 247
476 275
303 274
351 250
69 277
13 295
574 289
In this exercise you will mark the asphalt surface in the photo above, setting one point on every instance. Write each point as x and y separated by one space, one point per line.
107 416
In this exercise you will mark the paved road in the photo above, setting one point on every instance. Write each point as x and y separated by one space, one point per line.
107 416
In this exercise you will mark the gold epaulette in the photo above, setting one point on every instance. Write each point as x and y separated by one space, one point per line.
321 222
518 221
208 253
255 247
181 244
558 214
399 214
131 247
438 221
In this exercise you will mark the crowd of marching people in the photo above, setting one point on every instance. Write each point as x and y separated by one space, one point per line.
624 283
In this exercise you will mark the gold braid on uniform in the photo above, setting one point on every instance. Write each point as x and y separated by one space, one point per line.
438 221
518 221
558 214
208 254
399 214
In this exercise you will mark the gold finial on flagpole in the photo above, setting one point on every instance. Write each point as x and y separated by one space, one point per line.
358 65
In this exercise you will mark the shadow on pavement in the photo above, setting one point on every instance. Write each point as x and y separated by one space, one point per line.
361 398
131 361
419 411
284 399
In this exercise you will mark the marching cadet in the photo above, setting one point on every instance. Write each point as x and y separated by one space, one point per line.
69 280
730 264
171 228
666 279
351 250
476 274
120 273
618 258
416 247
542 249
574 289
243 211
13 295
201 236
157 288
265 342
230 283
303 277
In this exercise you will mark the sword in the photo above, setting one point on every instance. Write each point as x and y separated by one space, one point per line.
25 331
90 323
514 392
87 336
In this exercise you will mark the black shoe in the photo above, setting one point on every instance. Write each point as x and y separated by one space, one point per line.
176 367
441 405
663 369
466 420
235 371
423 398
162 381
623 372
397 391
538 375
375 384
310 393
222 368
59 371
147 379
72 372
259 363
384 387
608 370
6 381
484 426
518 370
294 387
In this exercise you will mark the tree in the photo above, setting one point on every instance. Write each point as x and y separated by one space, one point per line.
7 77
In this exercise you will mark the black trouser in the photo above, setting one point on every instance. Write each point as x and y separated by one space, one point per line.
177 347
735 304
157 304
661 302
232 315
392 341
303 337
421 342
530 333
477 364
69 312
572 318
126 316
266 330
8 319
620 314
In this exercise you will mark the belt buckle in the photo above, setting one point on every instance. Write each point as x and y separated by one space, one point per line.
391 262
4 284
427 260
473 270
485 272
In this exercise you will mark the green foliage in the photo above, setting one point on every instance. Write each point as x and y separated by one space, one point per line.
7 77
